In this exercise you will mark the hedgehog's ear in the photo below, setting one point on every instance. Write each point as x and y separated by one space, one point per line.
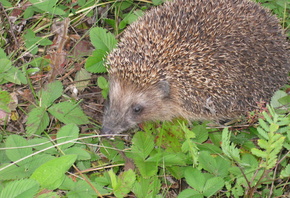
164 87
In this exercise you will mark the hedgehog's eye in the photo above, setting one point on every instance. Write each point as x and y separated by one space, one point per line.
137 109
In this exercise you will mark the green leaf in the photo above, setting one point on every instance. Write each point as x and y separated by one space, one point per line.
16 147
285 173
190 193
5 65
275 99
259 153
195 178
68 112
5 99
48 6
82 153
51 174
143 144
229 148
147 187
124 183
67 133
101 39
32 41
37 121
147 168
213 185
104 85
25 188
50 93
9 73
95 63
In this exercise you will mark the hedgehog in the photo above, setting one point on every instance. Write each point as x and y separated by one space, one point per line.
197 60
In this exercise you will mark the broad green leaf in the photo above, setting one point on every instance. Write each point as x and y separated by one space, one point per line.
42 143
201 133
16 147
146 168
37 121
168 158
68 132
81 153
2 52
143 144
124 184
51 174
213 185
101 39
190 193
6 65
25 188
13 75
68 112
50 93
95 63
48 6
195 178
147 187
81 189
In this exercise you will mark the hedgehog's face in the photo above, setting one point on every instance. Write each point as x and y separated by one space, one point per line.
128 106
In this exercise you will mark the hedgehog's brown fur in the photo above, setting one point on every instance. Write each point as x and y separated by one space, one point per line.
197 59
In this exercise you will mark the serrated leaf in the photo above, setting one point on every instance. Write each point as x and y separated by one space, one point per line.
51 174
37 121
82 79
25 188
143 144
101 39
95 63
50 93
67 133
147 187
258 153
146 168
125 183
273 127
113 178
229 148
195 178
285 173
68 112
14 75
16 147
262 133
213 185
